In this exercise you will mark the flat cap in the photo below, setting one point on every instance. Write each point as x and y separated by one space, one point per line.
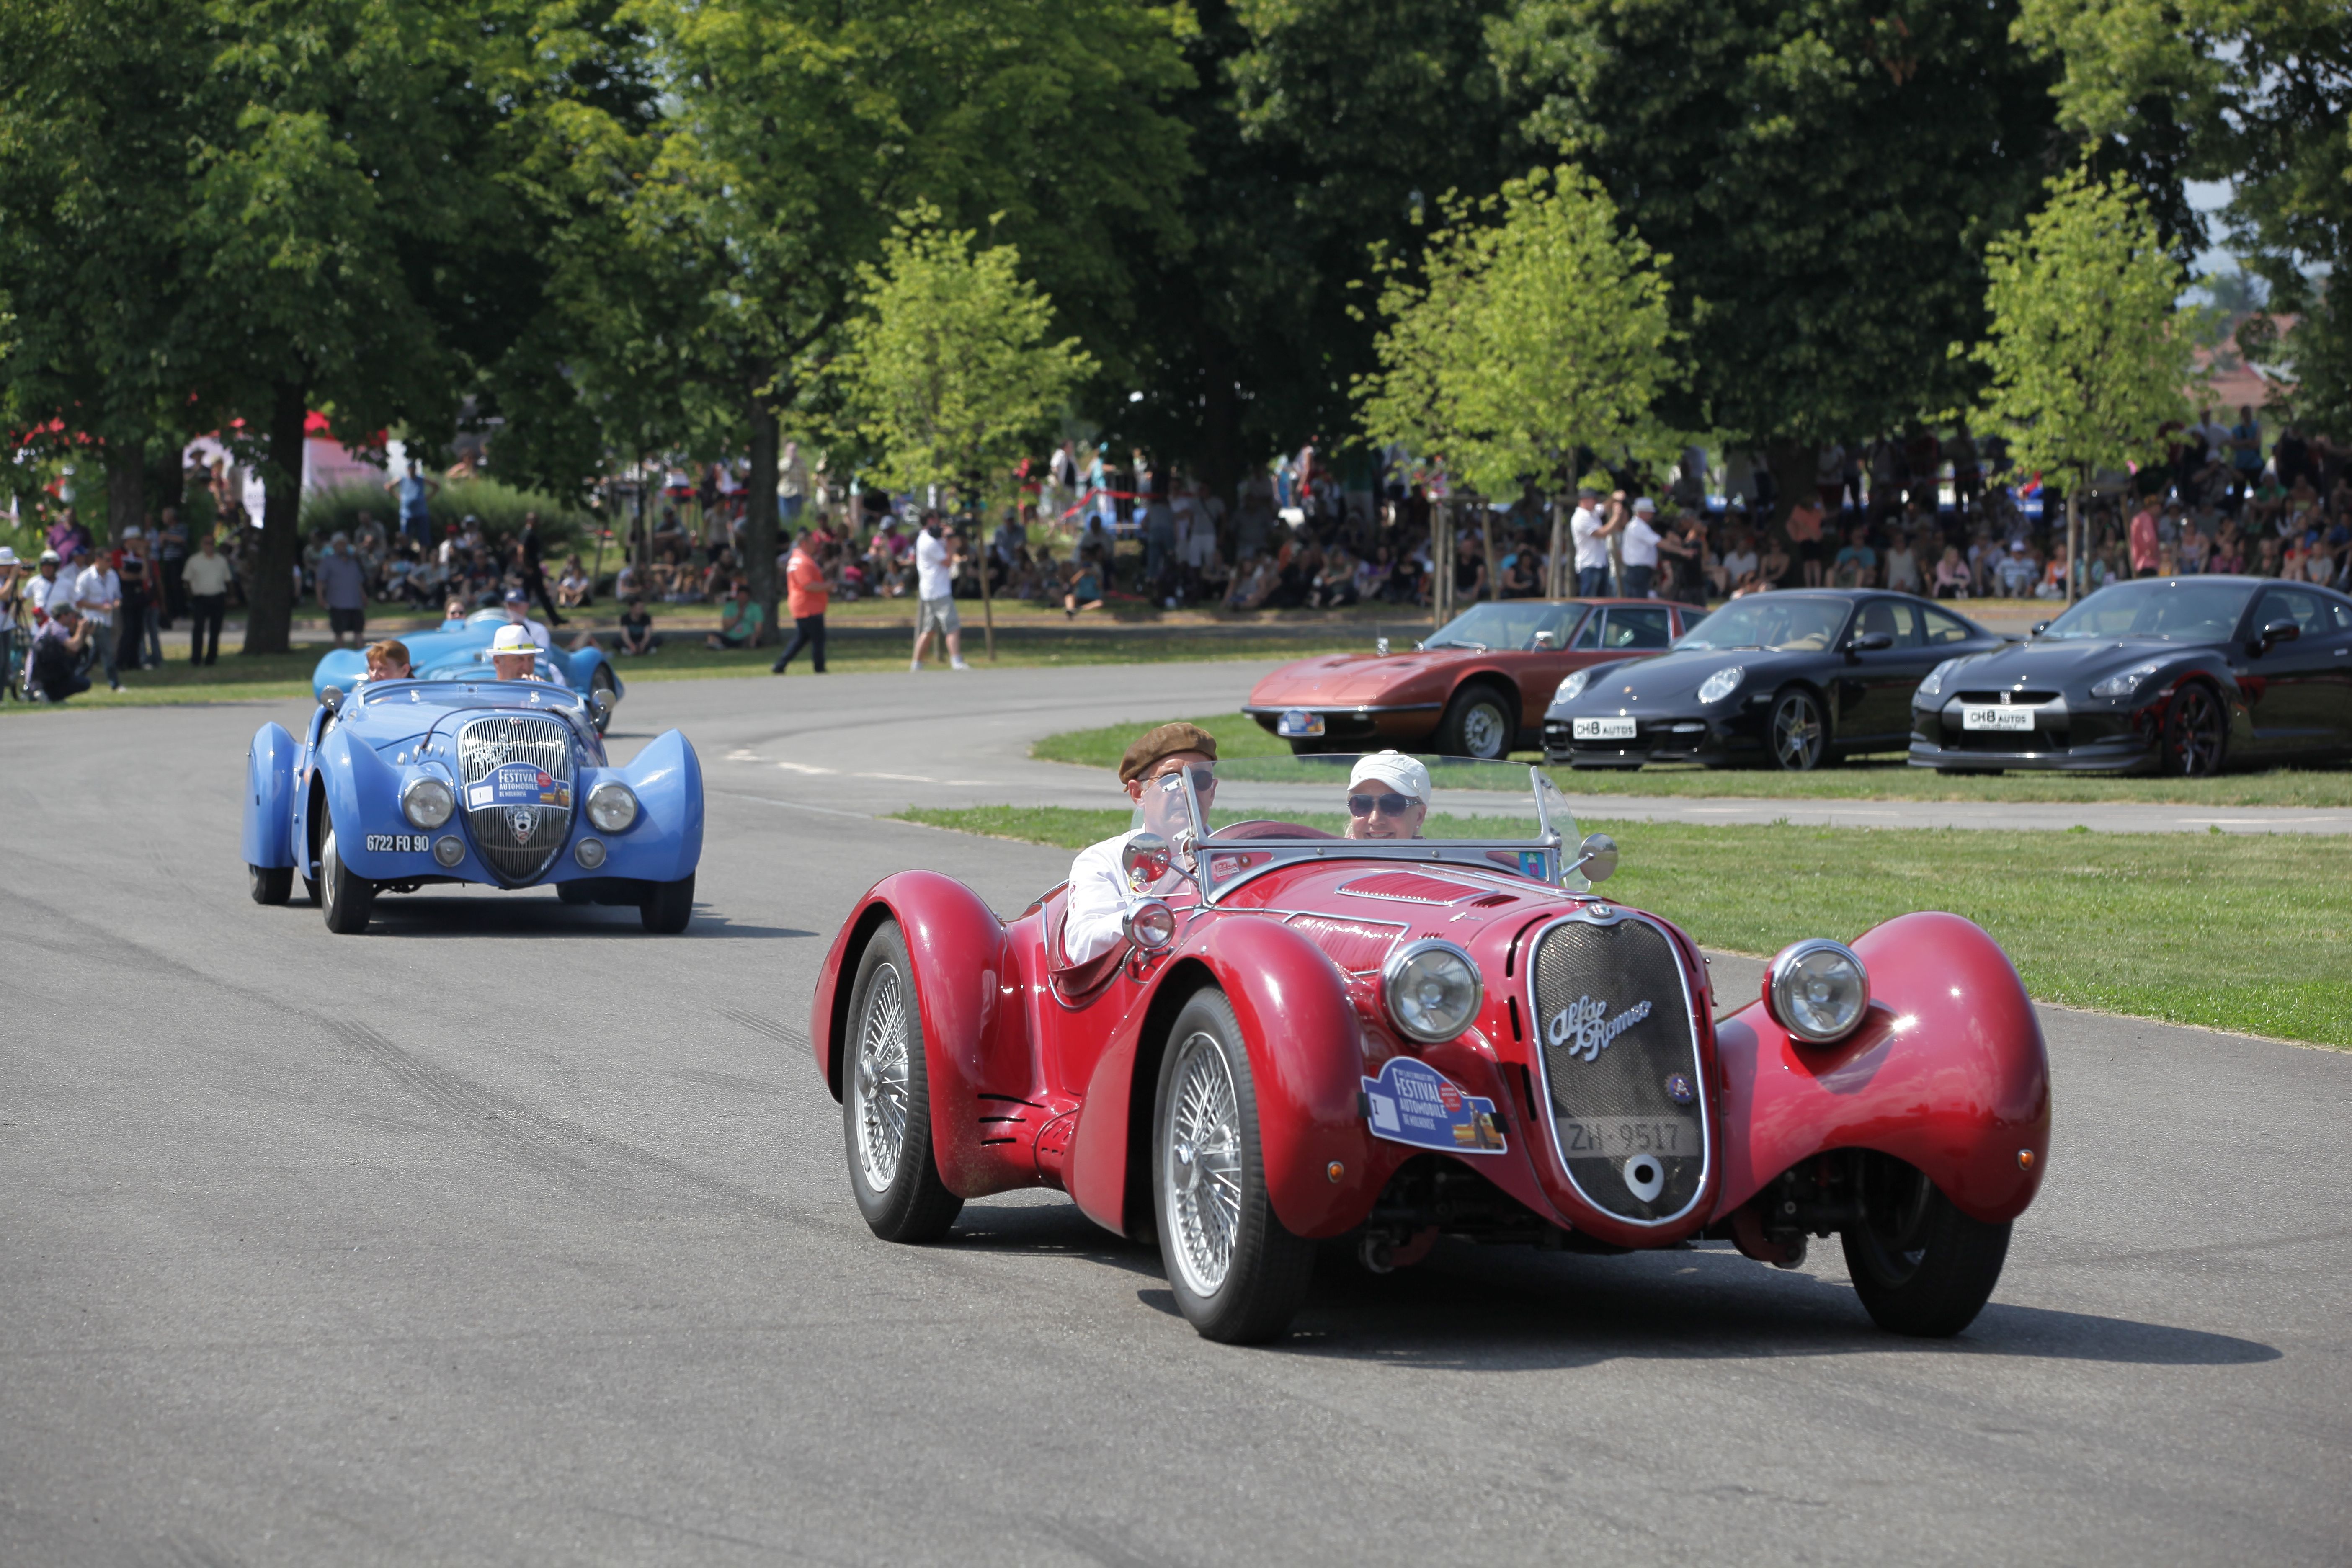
1165 741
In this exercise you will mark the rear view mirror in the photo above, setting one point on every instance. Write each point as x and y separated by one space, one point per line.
1596 858
331 699
1145 859
1547 640
1871 642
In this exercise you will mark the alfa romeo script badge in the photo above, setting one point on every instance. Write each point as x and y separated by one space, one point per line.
1581 1027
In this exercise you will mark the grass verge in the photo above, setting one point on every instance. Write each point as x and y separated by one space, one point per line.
1872 779
2247 933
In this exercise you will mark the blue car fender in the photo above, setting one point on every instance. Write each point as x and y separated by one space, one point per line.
580 668
268 838
362 791
343 667
665 842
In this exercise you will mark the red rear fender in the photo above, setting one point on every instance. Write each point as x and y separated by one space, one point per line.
1949 1073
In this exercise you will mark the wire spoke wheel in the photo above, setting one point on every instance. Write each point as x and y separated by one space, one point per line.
2195 733
1798 734
1203 1162
878 1080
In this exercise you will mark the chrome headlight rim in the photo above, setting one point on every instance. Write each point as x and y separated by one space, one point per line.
1392 991
1781 977
1724 683
601 804
1571 686
427 802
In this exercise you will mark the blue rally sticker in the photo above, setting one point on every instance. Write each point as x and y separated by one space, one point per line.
516 783
1412 1102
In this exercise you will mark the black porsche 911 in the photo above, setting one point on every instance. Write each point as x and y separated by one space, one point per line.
2178 675
1789 681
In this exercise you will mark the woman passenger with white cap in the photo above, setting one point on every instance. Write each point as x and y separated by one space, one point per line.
1388 796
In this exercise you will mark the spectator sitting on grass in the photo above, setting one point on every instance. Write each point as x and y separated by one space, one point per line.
2017 572
739 623
1857 566
1084 590
638 629
574 588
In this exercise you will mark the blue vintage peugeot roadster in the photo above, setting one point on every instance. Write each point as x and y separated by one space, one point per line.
404 783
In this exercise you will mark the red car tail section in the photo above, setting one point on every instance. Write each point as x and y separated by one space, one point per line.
1949 1072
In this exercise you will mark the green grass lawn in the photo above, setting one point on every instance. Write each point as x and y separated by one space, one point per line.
1886 778
2233 933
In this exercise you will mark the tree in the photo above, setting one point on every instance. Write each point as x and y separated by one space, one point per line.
1824 174
1526 340
2085 362
948 373
2261 94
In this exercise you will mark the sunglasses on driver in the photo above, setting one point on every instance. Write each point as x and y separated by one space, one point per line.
1386 805
1204 779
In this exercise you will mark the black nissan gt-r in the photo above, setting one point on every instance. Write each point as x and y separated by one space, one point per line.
2178 675
1785 679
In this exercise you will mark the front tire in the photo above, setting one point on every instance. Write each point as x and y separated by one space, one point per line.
1799 734
574 893
667 906
1477 723
270 884
1239 1277
345 898
1920 1266
885 1100
2196 733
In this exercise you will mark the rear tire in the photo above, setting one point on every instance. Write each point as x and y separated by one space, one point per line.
667 906
345 898
1239 1277
1920 1266
270 884
885 1100
1479 724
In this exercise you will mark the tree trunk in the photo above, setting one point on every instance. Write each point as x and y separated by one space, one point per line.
987 570
1486 528
126 489
1441 558
1556 580
269 609
2073 546
759 513
1794 466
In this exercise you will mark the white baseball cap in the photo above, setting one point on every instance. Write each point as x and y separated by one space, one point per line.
8 556
513 638
1402 774
1645 504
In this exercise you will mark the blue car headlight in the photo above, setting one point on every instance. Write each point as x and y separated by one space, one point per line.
612 806
1722 683
1572 687
2124 682
427 802
1934 685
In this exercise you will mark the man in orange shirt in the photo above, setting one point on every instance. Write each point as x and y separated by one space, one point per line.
804 600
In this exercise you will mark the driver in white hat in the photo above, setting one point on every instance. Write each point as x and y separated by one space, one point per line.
514 652
1388 796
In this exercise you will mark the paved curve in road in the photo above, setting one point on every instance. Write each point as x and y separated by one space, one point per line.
507 1234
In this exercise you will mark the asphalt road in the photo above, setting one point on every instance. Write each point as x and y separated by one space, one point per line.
506 1233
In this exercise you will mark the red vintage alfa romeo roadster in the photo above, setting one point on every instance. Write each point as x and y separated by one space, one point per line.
1304 1036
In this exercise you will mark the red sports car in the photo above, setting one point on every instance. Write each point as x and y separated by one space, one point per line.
1478 688
1304 1036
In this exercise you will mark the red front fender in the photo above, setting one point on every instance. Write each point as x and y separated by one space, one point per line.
1949 1072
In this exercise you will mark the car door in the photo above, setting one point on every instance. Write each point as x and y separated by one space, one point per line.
2295 689
1538 671
1875 685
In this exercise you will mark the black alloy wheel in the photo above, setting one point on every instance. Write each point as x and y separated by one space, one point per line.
1919 1265
1800 732
1479 724
2196 733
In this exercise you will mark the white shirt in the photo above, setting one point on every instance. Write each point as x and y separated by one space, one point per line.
40 590
1591 549
931 578
206 576
97 585
1738 564
1641 543
538 634
1099 896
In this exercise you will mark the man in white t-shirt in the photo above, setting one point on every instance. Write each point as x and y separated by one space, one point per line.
98 593
1641 548
1592 537
935 565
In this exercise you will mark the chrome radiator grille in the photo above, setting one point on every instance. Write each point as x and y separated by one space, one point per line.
517 838
1610 1065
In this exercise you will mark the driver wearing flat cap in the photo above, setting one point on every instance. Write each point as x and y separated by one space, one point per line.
1388 796
1152 772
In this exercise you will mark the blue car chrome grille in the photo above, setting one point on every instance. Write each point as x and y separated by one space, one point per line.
519 842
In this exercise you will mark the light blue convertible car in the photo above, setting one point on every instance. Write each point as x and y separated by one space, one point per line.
406 783
463 653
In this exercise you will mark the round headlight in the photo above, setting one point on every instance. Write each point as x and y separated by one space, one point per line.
1722 683
1573 687
1817 990
1432 990
427 802
612 806
1151 925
